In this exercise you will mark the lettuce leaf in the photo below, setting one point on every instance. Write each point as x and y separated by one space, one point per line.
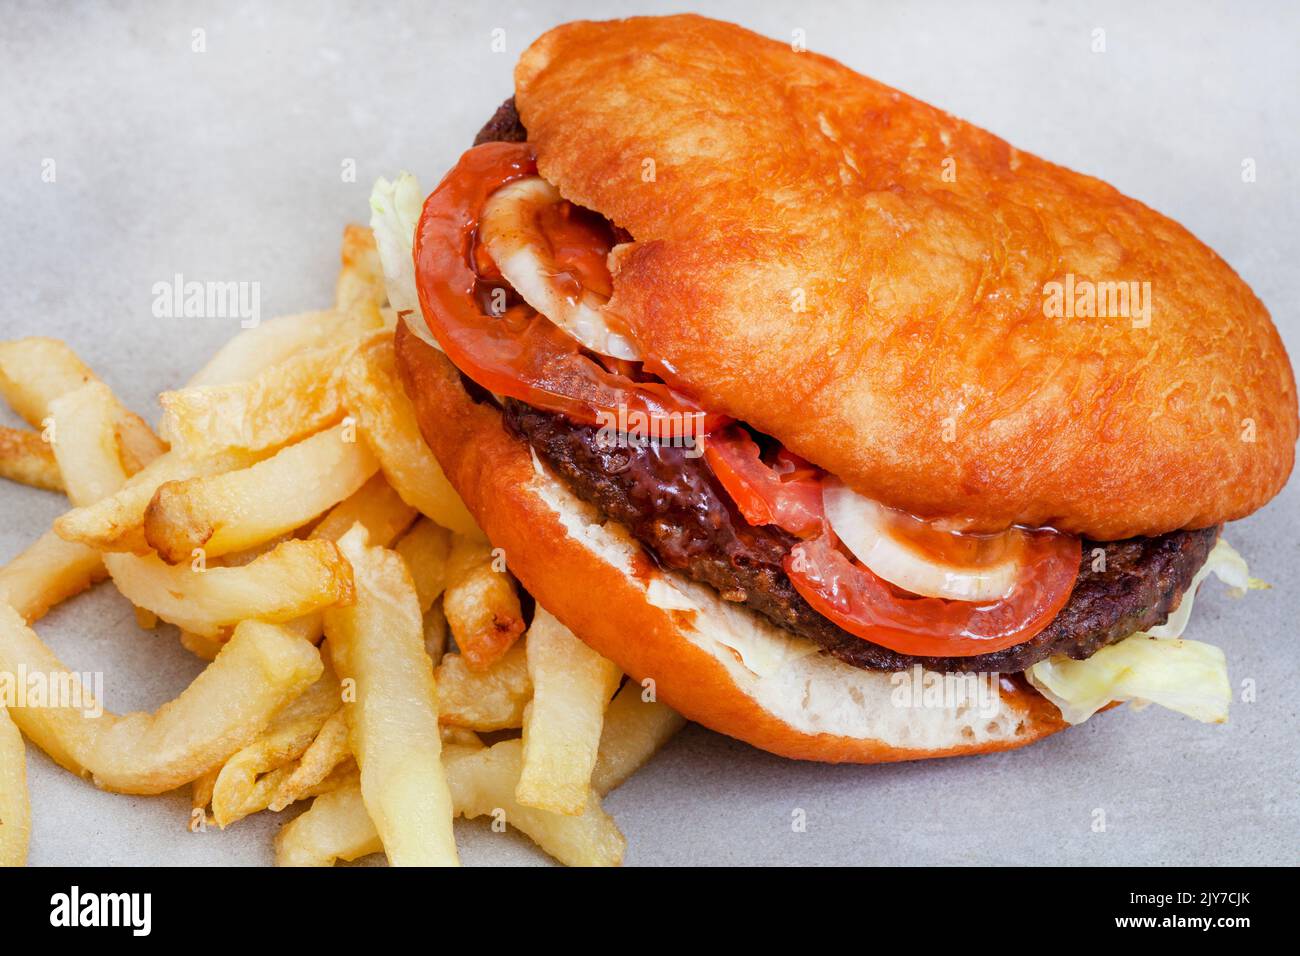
1186 676
1154 667
1225 564
394 213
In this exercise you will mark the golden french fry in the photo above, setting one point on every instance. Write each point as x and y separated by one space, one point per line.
435 633
482 782
484 700
335 827
137 444
346 774
85 445
485 782
480 603
239 509
329 749
293 580
28 459
376 506
201 788
15 806
225 708
360 285
52 569
572 685
378 644
35 371
425 549
116 523
205 648
46 572
282 404
238 791
275 340
379 510
633 732
373 394
460 738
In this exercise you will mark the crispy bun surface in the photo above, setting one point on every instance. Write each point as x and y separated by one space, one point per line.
656 625
757 180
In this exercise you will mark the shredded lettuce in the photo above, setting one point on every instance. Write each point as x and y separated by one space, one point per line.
1225 564
1154 667
1186 676
394 212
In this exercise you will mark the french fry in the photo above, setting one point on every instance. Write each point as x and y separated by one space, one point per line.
116 523
435 633
281 404
481 605
293 580
379 510
275 340
86 443
46 572
485 782
425 549
328 750
460 738
236 792
225 708
376 506
633 732
270 784
360 286
52 569
136 441
346 774
35 371
484 700
204 648
201 787
335 827
373 394
27 459
378 644
239 509
572 685
15 805
482 782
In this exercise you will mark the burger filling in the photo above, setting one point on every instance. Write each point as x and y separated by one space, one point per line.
512 282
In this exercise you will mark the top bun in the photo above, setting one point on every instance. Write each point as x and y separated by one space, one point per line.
884 287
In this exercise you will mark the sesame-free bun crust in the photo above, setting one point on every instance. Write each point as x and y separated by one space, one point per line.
757 180
657 625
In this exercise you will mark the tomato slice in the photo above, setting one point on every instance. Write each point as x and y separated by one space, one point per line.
520 353
854 598
788 496
788 493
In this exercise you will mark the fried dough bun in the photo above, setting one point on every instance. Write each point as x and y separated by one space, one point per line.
757 180
714 663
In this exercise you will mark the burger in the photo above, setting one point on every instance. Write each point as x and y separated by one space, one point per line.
813 407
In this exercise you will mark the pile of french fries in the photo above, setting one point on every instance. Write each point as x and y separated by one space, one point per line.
289 520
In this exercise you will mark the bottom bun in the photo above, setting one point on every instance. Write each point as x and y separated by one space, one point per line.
716 663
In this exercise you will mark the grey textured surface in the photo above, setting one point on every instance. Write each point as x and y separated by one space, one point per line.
226 165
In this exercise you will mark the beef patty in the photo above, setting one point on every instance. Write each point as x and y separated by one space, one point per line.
674 506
